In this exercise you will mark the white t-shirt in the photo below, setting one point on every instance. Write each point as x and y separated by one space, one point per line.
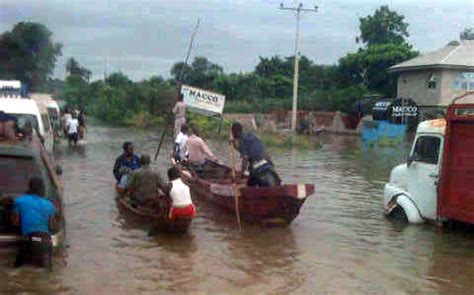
181 140
72 126
66 118
180 194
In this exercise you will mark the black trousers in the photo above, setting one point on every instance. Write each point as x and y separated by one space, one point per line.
263 177
73 137
36 250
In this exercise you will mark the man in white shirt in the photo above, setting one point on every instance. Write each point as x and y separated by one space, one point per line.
65 118
72 130
180 194
179 152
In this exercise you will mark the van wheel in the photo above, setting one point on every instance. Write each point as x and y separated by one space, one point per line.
399 215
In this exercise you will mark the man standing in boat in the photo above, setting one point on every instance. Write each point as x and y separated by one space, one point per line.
254 158
125 164
199 153
179 111
179 151
144 183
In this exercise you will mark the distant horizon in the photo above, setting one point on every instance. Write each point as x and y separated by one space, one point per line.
144 38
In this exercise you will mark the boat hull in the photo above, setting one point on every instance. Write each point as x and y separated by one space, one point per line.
157 219
273 205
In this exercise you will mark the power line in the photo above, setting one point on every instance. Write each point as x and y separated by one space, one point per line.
298 9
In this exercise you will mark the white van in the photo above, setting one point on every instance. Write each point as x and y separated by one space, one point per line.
45 100
25 109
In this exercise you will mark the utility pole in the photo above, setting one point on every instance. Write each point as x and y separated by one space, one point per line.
298 9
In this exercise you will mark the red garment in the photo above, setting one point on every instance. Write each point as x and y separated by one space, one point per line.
177 212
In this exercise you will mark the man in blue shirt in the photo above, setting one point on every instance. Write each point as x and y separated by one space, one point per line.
125 164
254 158
34 214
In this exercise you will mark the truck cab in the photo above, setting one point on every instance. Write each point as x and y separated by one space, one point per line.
436 183
19 161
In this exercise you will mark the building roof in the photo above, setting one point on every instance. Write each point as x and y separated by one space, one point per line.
457 55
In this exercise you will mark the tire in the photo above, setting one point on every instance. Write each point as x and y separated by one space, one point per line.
399 215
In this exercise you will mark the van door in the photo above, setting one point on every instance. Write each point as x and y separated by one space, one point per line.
423 173
48 132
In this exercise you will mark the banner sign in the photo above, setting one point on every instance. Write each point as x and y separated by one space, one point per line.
203 101
397 111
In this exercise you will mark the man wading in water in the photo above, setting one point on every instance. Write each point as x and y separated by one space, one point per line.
34 214
254 158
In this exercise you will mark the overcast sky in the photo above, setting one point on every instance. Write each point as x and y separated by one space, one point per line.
145 37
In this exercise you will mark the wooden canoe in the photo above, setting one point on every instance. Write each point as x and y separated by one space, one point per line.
157 216
274 205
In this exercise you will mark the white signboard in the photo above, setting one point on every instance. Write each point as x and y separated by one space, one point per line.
203 101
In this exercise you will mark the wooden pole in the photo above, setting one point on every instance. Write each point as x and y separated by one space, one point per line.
163 135
234 180
180 80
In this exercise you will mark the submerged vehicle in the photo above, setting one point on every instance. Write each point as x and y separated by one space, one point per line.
437 184
267 205
19 161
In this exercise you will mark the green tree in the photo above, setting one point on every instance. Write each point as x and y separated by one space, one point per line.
467 34
369 67
73 68
201 73
28 53
384 34
384 27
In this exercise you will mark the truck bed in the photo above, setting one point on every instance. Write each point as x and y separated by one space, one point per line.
456 187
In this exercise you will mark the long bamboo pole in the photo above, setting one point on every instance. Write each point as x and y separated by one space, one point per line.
234 181
169 124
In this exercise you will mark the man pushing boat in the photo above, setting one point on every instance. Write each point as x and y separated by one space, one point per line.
254 158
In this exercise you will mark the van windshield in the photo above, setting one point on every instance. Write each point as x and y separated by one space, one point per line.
23 120
15 173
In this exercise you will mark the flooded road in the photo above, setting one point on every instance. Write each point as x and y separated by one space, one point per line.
340 243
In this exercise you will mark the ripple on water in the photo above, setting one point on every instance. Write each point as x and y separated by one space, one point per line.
340 243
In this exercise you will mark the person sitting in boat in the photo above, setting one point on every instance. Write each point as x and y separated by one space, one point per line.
179 151
34 214
199 154
180 194
145 183
254 158
125 164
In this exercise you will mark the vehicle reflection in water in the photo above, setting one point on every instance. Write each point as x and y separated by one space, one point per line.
340 242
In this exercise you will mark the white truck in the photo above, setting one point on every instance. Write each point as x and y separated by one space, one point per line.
437 182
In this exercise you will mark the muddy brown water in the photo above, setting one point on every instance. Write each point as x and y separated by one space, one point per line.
340 244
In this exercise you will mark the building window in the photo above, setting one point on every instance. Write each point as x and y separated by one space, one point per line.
464 81
432 81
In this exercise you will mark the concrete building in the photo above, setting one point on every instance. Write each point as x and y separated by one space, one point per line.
432 80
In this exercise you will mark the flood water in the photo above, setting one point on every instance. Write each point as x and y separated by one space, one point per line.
339 244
